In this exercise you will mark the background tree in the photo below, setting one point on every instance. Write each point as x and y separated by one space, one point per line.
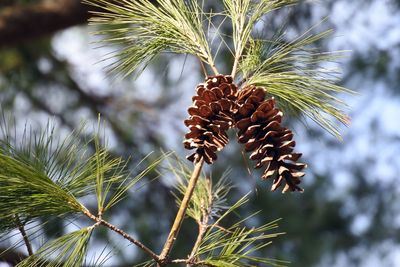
352 200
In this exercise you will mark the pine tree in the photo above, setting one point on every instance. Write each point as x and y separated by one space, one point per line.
41 176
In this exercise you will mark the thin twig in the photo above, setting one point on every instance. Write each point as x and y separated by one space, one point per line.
24 235
202 230
203 226
123 234
210 62
203 222
238 52
197 263
203 67
163 259
177 261
131 239
235 66
214 68
238 32
220 227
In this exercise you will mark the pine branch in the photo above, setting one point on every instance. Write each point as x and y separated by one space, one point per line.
67 250
143 31
216 245
181 213
203 67
192 263
244 15
125 235
293 73
234 246
21 228
203 226
44 178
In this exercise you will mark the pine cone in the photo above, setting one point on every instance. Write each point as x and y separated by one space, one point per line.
259 128
211 115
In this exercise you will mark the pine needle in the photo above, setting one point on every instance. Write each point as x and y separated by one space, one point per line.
30 193
206 196
43 176
67 250
244 15
237 245
233 246
142 30
292 73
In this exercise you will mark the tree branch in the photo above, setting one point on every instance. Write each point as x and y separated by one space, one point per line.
24 22
203 222
100 221
203 226
197 263
21 228
19 22
181 213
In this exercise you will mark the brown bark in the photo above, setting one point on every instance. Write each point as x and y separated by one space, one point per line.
11 256
19 23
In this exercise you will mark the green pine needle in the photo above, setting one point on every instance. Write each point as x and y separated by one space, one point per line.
142 30
244 15
125 182
145 264
289 71
42 176
29 193
237 245
67 250
292 73
206 195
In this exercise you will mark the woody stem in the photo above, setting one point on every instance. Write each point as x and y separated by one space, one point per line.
181 213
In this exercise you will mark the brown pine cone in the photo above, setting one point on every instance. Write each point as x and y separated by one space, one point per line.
211 115
259 128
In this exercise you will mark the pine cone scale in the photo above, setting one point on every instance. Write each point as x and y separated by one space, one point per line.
219 106
211 115
259 128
